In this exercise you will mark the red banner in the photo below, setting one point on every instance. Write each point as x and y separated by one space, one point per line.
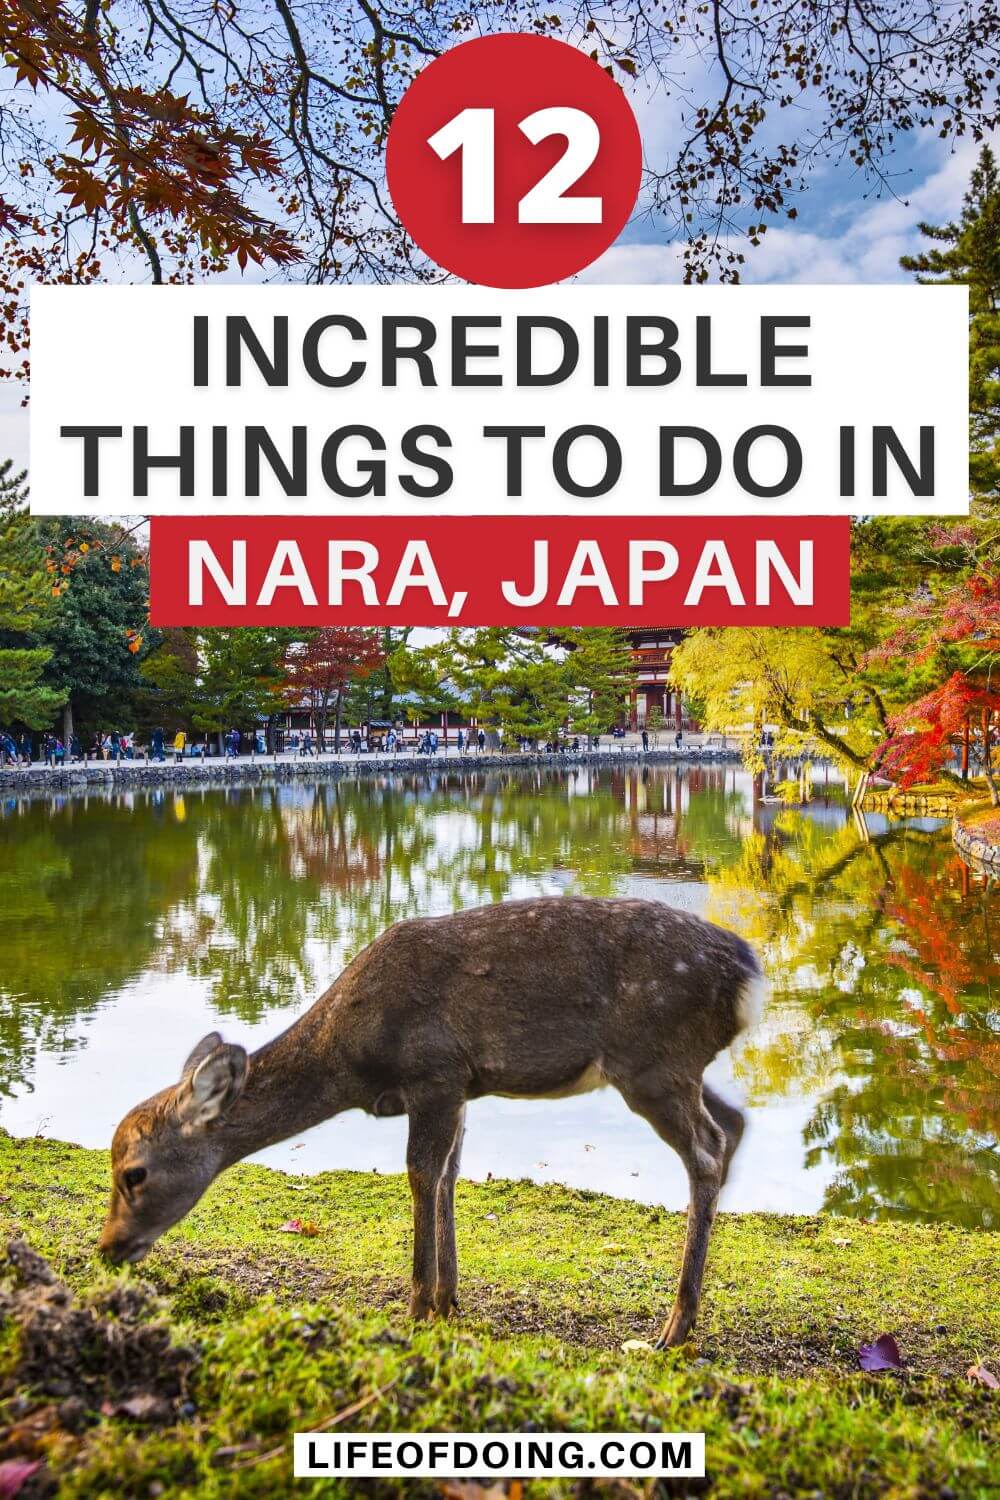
485 570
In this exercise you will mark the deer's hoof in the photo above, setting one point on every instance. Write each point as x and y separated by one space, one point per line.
673 1336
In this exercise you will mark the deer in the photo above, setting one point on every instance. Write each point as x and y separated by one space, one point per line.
539 998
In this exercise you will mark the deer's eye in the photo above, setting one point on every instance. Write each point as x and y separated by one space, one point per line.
132 1178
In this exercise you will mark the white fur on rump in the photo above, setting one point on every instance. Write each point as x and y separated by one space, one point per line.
753 995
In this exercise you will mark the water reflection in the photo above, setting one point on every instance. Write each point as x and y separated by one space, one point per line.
129 922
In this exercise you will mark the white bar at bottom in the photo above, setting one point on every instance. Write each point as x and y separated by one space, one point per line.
497 1455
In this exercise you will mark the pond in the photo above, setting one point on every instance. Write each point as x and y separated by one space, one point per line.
132 923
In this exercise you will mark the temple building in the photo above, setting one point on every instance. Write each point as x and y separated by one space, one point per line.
652 648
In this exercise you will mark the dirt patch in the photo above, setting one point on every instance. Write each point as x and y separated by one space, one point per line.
295 1280
76 1360
759 1350
289 1279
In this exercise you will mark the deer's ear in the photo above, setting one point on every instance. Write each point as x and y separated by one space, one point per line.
213 1087
205 1048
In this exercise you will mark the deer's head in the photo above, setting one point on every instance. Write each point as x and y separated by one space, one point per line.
169 1149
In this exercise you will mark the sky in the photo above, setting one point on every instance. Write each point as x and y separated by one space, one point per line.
843 233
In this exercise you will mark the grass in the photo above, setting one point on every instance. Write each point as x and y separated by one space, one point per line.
290 1330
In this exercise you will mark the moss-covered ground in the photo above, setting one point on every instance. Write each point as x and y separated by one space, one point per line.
289 1330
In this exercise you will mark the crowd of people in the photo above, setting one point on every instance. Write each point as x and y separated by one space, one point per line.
23 748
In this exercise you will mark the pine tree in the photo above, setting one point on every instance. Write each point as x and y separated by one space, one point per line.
26 600
967 253
598 674
524 683
240 676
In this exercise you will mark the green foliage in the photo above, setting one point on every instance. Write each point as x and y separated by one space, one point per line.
374 697
971 257
24 698
170 680
597 673
240 676
746 677
26 602
845 690
516 682
25 588
99 630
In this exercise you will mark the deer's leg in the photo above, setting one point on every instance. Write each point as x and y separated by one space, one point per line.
731 1120
679 1117
446 1288
433 1126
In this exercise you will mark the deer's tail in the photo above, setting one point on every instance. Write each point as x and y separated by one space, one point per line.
752 992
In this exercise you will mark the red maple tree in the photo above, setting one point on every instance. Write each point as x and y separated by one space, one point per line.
319 671
925 731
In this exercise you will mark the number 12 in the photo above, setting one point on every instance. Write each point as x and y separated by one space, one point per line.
473 133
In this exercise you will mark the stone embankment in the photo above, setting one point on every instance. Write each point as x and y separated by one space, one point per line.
261 769
909 804
978 843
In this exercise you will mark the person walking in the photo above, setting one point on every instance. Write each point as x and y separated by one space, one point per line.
27 749
180 740
645 739
157 743
481 741
460 741
75 748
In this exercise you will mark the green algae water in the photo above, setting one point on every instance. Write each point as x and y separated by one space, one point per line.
132 923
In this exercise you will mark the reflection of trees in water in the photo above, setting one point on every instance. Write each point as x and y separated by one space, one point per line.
263 893
82 885
887 944
885 965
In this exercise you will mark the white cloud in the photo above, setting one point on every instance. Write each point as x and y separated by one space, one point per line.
863 245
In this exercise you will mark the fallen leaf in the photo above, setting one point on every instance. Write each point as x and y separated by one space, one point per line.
299 1226
611 1248
984 1376
882 1355
841 1242
634 1346
14 1473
